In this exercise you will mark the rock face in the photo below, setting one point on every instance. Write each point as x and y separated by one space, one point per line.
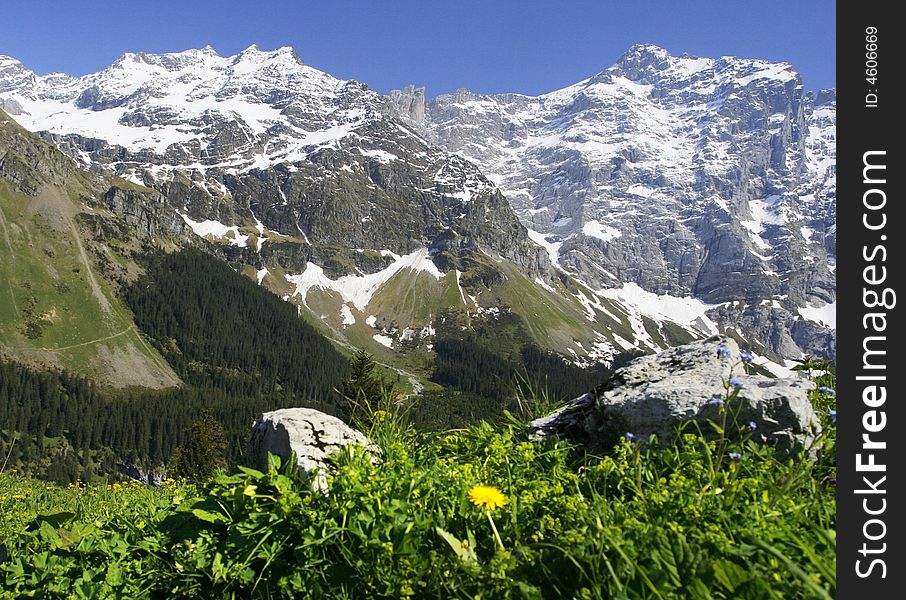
261 140
687 176
654 394
311 434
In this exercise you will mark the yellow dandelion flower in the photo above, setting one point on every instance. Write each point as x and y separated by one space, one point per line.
487 497
18 497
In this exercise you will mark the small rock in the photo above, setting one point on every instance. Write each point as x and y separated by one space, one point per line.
311 434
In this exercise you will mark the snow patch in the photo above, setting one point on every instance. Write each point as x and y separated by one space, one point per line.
216 230
686 311
600 231
553 248
825 315
383 340
359 289
346 314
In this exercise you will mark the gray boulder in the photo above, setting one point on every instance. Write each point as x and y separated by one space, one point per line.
654 394
311 434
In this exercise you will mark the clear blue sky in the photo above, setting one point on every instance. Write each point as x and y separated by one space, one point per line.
527 46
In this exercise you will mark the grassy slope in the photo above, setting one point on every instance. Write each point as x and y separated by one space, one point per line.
650 521
556 321
55 306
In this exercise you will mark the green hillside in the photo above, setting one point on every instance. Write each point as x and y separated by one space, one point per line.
57 308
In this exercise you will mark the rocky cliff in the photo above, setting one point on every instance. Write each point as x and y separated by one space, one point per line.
686 176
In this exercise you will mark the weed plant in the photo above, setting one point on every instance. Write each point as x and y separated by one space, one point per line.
482 512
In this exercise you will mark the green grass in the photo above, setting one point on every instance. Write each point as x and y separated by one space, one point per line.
48 309
674 520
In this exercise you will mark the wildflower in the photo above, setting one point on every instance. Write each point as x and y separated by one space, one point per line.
716 401
630 436
735 455
723 352
736 383
753 425
827 390
833 415
17 497
487 497
747 357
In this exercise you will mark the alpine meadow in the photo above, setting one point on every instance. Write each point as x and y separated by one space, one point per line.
269 333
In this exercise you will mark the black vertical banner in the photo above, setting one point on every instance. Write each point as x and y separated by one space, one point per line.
871 257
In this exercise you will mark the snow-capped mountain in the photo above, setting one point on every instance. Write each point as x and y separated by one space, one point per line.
663 192
712 178
265 130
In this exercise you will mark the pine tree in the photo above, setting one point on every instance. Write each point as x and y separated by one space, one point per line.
364 390
205 450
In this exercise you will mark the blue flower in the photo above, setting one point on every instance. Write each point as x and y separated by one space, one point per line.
723 352
747 357
833 415
753 425
827 390
716 401
630 436
735 383
735 455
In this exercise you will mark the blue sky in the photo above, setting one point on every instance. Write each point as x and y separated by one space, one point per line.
527 46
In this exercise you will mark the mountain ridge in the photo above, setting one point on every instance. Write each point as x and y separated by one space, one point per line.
254 158
700 144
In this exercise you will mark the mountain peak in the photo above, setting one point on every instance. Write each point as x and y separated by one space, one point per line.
255 54
9 61
645 50
643 61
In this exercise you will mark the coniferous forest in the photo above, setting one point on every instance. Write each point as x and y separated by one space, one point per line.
220 330
240 351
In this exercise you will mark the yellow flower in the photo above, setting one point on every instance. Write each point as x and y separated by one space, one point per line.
487 496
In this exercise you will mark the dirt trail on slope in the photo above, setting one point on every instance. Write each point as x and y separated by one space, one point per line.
79 345
121 367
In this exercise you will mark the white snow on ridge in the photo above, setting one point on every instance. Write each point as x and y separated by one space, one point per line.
600 231
216 230
688 311
136 101
383 340
359 289
348 317
825 315
553 248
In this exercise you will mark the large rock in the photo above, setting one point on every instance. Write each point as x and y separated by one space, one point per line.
655 393
311 434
